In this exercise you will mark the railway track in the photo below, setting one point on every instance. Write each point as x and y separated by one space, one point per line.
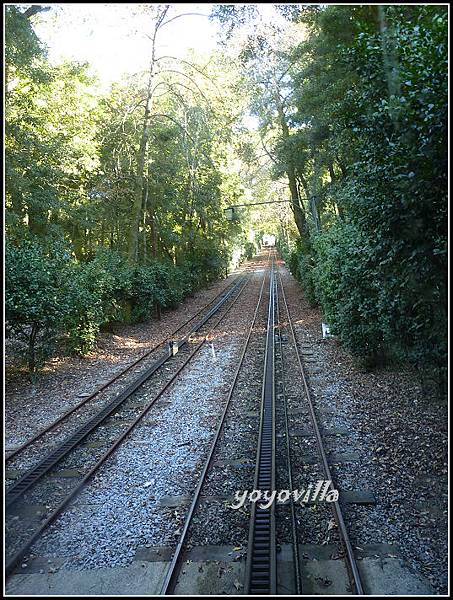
283 321
261 568
278 339
174 569
41 482
117 379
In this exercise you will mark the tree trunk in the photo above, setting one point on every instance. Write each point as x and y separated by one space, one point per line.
139 177
152 224
35 9
32 348
297 208
145 203
391 67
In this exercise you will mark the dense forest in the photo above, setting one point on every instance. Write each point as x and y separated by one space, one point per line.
115 199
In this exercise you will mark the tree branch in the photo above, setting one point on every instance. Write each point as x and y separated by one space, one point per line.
182 15
35 9
165 116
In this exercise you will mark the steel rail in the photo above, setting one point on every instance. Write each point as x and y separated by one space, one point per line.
12 563
353 570
19 487
174 568
261 567
296 555
108 383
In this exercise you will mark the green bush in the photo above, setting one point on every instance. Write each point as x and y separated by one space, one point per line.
155 286
380 267
248 251
381 309
204 263
38 296
348 290
301 262
101 289
51 297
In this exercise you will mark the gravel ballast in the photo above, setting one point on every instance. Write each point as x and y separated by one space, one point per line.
399 437
120 510
381 434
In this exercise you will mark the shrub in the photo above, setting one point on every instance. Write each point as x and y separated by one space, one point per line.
248 251
38 296
154 286
349 293
301 262
204 263
101 289
381 308
50 296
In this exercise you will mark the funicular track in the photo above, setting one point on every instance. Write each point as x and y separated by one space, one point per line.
20 492
282 322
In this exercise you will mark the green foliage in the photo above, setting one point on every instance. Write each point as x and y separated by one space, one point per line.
38 299
354 118
204 263
249 250
110 291
71 182
156 285
51 298
301 262
102 287
380 271
22 47
346 282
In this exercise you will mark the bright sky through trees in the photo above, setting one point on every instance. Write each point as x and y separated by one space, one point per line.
112 37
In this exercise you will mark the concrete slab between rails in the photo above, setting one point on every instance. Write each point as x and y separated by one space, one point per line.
357 496
335 458
304 411
313 370
318 577
14 473
364 497
140 578
11 448
93 445
308 432
212 570
391 576
68 473
196 554
175 501
30 511
208 570
235 462
211 578
323 572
